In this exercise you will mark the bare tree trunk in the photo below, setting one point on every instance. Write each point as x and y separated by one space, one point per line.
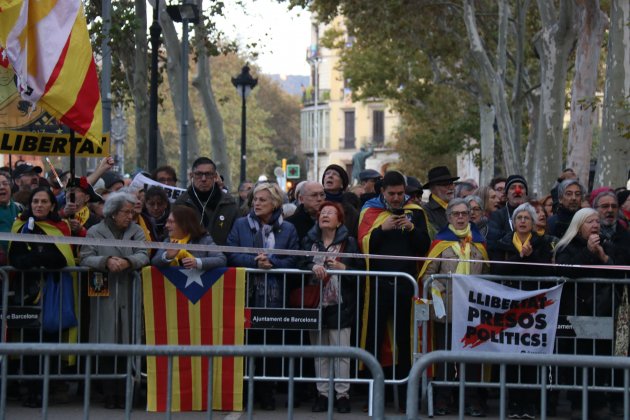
614 151
590 34
140 83
174 72
496 87
518 99
533 111
554 46
203 84
486 122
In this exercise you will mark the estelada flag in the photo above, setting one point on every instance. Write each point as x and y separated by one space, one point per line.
193 307
48 45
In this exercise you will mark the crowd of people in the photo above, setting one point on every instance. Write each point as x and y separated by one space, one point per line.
465 225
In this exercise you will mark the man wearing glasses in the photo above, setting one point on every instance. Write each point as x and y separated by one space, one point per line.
217 210
442 186
311 198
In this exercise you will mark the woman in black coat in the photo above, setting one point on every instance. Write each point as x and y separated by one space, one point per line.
338 297
583 245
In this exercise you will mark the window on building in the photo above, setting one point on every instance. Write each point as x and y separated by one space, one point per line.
349 137
378 127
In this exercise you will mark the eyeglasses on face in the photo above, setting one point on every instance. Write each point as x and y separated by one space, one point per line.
457 214
201 175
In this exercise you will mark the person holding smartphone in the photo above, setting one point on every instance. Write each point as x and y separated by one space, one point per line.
391 224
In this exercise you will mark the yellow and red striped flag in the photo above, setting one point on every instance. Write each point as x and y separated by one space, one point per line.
192 307
47 43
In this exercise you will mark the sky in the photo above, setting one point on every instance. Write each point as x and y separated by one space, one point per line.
282 36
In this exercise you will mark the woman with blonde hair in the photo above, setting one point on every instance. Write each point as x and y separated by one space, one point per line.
264 228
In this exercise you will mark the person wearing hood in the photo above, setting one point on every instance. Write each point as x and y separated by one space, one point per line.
338 298
335 181
217 210
155 211
391 225
570 194
264 228
500 223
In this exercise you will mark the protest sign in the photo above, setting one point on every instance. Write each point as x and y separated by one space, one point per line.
488 316
141 182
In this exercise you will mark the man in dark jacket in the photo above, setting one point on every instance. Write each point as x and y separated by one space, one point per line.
311 198
216 209
335 181
442 186
570 193
500 223
391 225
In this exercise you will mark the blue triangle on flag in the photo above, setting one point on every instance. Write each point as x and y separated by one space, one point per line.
192 283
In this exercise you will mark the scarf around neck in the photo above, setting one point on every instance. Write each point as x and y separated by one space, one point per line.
462 248
264 236
182 252
516 241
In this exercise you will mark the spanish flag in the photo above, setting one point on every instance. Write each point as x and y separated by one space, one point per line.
193 307
48 45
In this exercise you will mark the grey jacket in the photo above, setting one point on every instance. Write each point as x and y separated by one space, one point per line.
111 317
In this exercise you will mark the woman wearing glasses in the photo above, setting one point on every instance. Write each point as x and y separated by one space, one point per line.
458 243
112 284
527 244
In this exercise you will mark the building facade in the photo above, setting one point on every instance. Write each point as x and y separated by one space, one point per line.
335 127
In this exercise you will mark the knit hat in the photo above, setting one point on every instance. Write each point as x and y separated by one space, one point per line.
111 178
342 173
598 191
516 178
622 196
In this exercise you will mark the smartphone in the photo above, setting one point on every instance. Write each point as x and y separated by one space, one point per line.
71 197
398 212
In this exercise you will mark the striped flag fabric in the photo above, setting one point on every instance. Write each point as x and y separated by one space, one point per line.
48 46
193 307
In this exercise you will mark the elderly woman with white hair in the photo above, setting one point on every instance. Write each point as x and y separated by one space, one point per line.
112 281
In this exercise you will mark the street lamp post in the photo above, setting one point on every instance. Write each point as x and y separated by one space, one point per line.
244 84
155 31
314 59
187 12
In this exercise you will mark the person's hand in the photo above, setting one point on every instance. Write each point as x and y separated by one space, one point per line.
171 253
75 225
527 250
404 223
319 271
335 265
263 261
596 248
189 262
117 264
390 223
106 164
70 208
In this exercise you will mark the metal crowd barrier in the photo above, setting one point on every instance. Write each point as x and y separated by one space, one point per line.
291 279
503 359
22 323
592 321
92 351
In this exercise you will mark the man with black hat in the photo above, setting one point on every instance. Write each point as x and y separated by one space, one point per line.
500 223
335 181
369 179
26 176
414 190
442 186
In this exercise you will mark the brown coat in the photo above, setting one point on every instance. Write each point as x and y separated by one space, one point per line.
448 267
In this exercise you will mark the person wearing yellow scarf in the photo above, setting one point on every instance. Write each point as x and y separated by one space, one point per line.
461 249
183 226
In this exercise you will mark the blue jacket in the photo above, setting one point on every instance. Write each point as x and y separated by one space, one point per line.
242 235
